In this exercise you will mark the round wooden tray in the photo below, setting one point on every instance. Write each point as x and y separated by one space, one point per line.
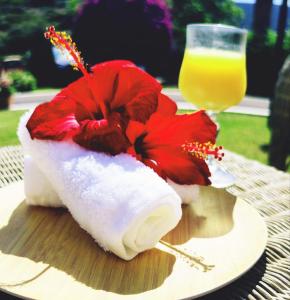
44 254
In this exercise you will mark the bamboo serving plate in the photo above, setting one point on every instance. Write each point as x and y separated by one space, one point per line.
44 254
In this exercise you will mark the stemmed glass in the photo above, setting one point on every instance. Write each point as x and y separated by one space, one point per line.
213 74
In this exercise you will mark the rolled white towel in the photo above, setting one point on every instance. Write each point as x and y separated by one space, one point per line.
123 204
39 191
187 193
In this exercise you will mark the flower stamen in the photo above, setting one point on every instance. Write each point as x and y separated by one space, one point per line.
203 150
63 41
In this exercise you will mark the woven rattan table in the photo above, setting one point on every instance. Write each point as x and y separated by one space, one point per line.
264 187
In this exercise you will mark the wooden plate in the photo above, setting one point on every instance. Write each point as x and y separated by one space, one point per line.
44 254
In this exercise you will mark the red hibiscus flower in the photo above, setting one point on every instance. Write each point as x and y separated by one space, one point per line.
120 108
161 145
124 91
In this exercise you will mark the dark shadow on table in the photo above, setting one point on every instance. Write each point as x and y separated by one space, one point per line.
60 242
209 216
4 296
239 289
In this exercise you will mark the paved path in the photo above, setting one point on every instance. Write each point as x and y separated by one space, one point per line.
250 105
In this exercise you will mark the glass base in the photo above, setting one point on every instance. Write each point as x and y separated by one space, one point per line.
219 177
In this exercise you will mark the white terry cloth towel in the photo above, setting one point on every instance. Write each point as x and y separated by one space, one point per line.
123 204
39 191
187 192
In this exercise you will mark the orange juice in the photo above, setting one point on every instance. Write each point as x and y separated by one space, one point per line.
213 79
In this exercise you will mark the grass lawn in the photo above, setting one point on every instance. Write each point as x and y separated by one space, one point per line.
242 134
8 126
245 135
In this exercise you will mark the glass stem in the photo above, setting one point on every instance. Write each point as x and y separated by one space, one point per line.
213 117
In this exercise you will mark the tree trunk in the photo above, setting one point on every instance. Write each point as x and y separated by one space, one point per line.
5 98
281 29
262 17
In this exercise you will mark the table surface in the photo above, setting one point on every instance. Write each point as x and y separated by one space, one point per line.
264 187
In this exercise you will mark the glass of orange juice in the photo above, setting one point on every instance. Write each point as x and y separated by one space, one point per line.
213 72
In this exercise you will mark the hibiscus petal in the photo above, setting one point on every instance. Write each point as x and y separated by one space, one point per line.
80 93
142 106
134 130
166 106
136 92
163 144
53 120
126 89
101 135
180 167
59 129
115 65
179 129
131 82
106 78
100 87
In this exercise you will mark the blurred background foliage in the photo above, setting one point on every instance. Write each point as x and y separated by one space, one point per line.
208 11
151 33
22 81
22 20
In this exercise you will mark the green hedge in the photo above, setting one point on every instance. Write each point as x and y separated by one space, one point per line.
22 81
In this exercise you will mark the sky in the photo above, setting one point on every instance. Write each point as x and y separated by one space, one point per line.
277 2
